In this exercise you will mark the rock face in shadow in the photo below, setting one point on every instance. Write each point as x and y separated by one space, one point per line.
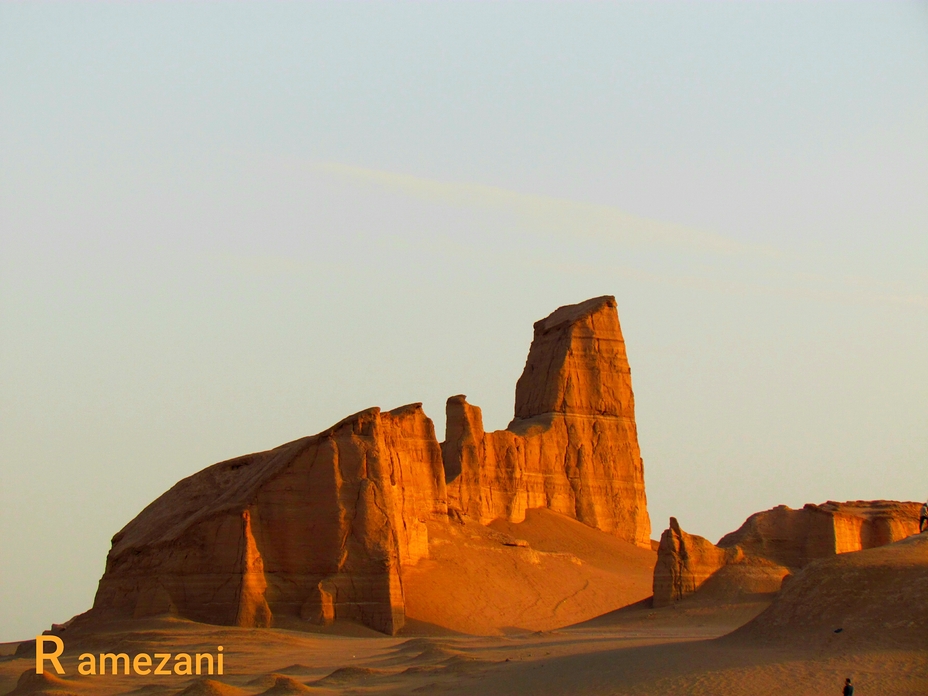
573 445
772 544
321 528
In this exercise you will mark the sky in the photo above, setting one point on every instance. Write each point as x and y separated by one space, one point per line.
228 225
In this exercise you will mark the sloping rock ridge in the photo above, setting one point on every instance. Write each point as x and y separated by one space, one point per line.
774 543
321 528
875 597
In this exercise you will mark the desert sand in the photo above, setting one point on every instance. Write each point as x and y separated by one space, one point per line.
877 597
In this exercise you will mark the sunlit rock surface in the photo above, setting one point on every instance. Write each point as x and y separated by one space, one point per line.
321 528
774 543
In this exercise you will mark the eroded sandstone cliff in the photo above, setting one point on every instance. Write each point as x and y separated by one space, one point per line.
774 543
318 527
321 528
573 445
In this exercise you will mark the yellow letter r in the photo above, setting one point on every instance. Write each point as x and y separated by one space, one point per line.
41 655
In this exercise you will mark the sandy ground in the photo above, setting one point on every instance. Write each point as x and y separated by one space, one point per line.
486 581
633 651
546 572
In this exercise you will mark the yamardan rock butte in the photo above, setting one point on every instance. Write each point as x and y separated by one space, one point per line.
321 528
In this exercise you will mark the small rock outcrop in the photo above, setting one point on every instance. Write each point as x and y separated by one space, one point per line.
772 544
687 562
321 528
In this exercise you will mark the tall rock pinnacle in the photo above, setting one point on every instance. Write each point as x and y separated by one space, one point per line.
577 364
573 444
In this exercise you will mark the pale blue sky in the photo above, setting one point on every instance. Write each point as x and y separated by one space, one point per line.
224 226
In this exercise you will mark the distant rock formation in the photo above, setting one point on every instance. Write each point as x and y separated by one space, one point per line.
320 529
774 543
878 597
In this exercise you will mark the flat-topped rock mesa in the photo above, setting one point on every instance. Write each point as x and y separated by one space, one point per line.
573 445
322 528
772 544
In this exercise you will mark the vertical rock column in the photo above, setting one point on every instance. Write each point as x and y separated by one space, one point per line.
573 444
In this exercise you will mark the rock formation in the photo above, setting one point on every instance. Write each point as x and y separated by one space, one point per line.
687 562
573 445
316 528
774 543
877 598
321 528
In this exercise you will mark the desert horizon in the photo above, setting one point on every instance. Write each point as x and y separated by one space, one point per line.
471 348
489 562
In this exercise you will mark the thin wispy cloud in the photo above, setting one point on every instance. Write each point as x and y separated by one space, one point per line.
710 262
783 284
916 300
551 214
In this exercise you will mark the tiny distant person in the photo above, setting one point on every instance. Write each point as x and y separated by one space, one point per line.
848 688
923 518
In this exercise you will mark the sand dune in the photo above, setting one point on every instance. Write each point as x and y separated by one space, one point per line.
32 684
210 687
636 650
546 572
286 686
873 598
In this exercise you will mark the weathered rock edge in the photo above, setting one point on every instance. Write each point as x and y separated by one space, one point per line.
773 544
322 527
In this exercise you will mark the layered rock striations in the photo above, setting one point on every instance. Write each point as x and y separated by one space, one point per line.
774 543
316 528
321 528
795 537
573 445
